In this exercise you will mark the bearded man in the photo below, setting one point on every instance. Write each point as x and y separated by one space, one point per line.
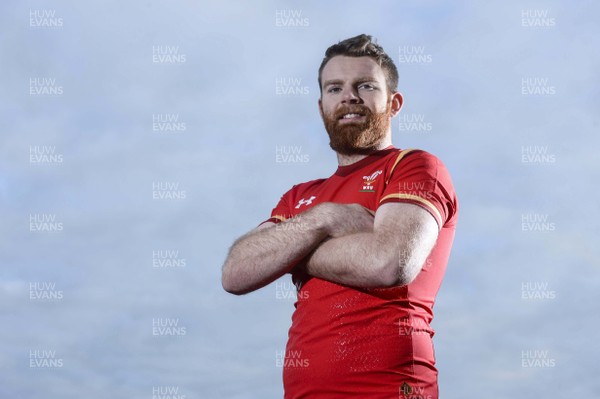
367 247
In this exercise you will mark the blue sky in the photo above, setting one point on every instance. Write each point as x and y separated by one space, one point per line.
510 106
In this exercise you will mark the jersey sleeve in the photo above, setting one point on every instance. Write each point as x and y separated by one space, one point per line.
281 212
418 177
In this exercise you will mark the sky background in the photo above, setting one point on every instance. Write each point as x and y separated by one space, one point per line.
510 106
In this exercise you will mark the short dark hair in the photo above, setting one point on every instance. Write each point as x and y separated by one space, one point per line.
363 46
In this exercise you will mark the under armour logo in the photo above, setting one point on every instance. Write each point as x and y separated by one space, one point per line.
305 201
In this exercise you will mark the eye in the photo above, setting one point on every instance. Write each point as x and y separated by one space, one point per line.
333 89
366 86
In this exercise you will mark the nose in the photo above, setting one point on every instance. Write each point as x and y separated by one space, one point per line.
350 96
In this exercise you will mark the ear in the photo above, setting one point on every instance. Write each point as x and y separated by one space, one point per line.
320 108
397 101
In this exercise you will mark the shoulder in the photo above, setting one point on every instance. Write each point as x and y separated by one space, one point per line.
413 154
412 160
413 173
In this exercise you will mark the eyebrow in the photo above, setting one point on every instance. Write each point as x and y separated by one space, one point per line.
358 80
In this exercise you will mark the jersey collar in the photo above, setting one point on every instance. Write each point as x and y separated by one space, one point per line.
347 169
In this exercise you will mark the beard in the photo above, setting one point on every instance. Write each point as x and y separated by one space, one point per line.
360 137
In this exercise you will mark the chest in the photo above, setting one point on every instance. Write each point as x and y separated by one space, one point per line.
364 188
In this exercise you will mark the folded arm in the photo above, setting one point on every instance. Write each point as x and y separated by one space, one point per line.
271 250
392 254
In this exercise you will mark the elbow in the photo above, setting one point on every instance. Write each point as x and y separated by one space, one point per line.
393 274
232 288
231 284
389 276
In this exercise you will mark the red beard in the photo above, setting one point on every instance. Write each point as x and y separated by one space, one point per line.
360 137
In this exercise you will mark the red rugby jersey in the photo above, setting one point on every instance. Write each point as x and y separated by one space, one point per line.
370 343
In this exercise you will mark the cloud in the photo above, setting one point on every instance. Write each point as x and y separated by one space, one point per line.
225 162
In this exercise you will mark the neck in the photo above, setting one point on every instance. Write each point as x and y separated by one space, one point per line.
345 160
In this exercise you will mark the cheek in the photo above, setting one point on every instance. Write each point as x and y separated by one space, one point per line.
380 105
327 108
376 101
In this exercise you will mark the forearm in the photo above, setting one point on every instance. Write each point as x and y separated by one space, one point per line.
354 260
262 256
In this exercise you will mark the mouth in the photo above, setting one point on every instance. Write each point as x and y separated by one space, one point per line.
351 116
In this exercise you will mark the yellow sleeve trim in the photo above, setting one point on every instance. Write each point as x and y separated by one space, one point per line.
429 205
398 159
279 217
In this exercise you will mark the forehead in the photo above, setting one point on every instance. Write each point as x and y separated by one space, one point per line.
345 68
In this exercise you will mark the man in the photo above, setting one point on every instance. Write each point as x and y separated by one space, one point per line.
367 247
